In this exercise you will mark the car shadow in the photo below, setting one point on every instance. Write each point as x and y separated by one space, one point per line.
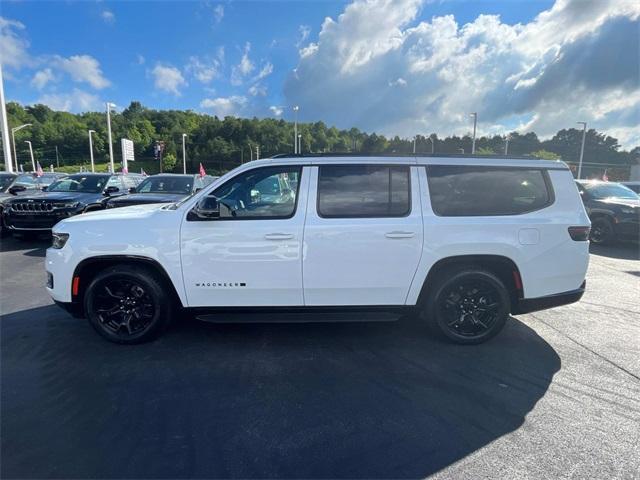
623 251
34 247
357 400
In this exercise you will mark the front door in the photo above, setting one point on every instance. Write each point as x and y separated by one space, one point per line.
363 234
251 253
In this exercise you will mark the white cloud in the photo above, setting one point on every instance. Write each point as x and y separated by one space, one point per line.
75 101
140 59
42 78
204 70
304 31
225 106
168 79
108 16
276 111
257 90
13 46
244 68
392 74
218 13
82 68
264 72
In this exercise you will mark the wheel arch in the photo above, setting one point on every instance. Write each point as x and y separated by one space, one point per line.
503 267
87 269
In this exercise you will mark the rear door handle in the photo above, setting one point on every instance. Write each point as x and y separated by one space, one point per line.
397 234
279 236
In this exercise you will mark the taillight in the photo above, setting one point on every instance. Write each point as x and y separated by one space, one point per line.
579 234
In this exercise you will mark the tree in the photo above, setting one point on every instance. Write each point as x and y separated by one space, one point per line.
546 155
168 162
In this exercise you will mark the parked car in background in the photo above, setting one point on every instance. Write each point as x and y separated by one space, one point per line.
162 188
66 197
461 243
614 210
635 186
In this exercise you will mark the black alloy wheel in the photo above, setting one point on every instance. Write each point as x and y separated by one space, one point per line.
469 305
602 231
126 304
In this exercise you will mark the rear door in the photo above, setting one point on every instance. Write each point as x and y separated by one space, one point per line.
363 234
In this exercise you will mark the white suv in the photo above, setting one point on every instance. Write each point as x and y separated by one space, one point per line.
464 242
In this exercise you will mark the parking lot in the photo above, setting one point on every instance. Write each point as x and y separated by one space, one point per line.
556 394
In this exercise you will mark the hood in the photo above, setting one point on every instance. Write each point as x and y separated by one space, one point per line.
59 197
118 215
139 198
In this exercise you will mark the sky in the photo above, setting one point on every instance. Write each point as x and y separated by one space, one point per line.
397 67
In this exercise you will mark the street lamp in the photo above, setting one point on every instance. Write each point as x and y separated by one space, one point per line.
299 144
584 135
93 168
33 162
295 129
475 123
13 139
506 144
433 147
109 107
414 144
184 154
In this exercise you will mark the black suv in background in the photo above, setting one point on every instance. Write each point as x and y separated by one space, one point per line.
12 184
162 188
614 210
66 197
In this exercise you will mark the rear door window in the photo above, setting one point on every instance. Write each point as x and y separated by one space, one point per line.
349 191
458 190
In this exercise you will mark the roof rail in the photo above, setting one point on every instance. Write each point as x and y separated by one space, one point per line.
421 155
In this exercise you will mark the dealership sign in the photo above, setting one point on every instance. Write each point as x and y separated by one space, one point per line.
127 153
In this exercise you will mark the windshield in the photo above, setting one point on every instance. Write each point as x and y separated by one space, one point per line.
601 191
5 181
80 183
166 184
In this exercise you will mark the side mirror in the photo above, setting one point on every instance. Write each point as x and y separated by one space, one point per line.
44 188
111 190
198 189
207 209
132 190
16 189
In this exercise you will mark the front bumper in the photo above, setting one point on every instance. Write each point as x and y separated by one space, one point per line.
528 305
42 222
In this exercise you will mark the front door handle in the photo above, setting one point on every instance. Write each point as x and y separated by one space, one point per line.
397 234
279 236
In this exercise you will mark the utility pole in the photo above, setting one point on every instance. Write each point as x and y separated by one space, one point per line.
433 147
506 144
295 130
251 152
93 167
475 122
414 144
109 107
33 162
184 154
257 152
58 161
584 136
4 126
299 144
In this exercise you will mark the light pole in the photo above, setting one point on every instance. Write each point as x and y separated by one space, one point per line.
506 144
414 144
475 123
584 136
4 126
433 147
250 152
257 152
13 139
93 167
109 107
295 129
33 162
184 154
299 144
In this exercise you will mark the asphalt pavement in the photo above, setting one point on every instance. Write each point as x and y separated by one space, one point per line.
555 395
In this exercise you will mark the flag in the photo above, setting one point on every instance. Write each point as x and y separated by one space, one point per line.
202 171
605 177
125 170
39 171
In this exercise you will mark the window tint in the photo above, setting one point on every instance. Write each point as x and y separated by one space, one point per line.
485 191
81 183
260 194
363 191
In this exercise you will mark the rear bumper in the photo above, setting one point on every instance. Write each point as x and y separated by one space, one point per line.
528 305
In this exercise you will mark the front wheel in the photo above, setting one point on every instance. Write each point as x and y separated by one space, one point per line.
468 305
602 232
126 304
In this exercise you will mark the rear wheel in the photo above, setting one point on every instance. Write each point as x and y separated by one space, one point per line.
602 231
469 305
127 304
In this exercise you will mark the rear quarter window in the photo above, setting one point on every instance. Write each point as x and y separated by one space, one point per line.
457 190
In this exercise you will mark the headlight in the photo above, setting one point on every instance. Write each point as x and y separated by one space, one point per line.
58 240
628 211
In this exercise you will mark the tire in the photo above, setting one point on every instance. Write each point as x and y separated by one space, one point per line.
602 232
468 305
128 304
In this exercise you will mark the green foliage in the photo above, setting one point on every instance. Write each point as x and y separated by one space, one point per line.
221 144
546 155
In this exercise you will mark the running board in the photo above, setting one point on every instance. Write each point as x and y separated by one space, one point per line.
299 317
